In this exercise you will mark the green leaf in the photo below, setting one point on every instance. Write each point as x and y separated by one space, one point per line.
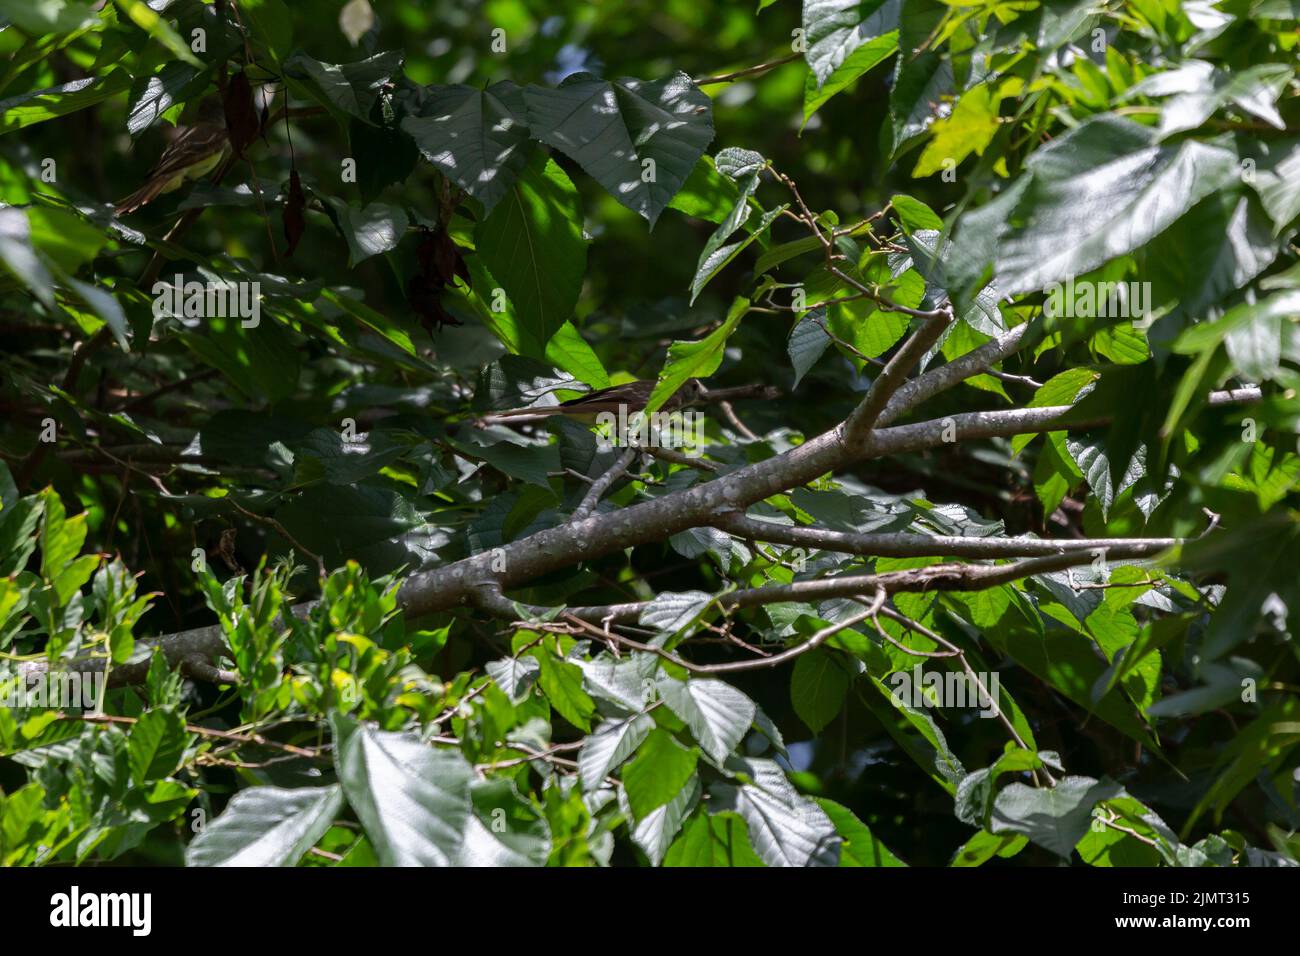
561 682
1199 91
1055 818
1100 191
817 688
860 61
1222 243
155 745
712 840
368 230
835 29
698 359
983 846
1091 457
261 362
413 800
505 830
266 826
654 832
707 194
807 342
920 87
477 138
608 746
533 245
914 215
639 139
344 89
1252 333
670 612
1259 558
139 13
969 128
718 715
37 106
61 537
271 24
51 16
859 846
153 95
785 829
1277 180
658 773
1063 388
716 256
17 253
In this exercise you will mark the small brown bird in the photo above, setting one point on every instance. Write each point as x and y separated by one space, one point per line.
630 397
194 153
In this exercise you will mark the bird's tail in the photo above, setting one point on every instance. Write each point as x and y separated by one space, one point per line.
142 196
518 415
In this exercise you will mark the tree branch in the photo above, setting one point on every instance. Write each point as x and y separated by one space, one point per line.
903 545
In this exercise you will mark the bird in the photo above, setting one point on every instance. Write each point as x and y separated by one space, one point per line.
630 398
194 153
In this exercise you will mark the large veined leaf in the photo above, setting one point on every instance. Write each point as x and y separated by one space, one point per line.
153 95
1251 332
807 342
718 714
345 89
477 138
412 799
859 846
1103 190
656 830
671 611
916 98
658 773
156 743
969 128
817 687
786 829
1197 89
712 839
609 745
715 256
639 139
37 106
1277 179
835 29
1090 455
504 829
1222 243
532 244
266 826
860 61
1055 818
1259 559
368 230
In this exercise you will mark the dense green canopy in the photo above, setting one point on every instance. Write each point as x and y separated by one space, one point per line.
1002 576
